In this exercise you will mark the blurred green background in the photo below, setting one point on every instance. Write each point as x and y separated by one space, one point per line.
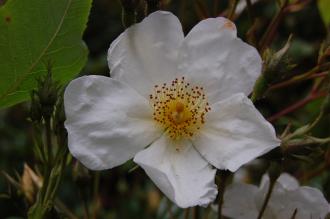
124 194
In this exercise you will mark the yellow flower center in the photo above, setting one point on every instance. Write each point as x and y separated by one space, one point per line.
179 108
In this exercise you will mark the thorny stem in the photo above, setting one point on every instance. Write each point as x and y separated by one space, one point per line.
269 35
269 193
315 172
223 175
232 9
297 80
313 73
297 105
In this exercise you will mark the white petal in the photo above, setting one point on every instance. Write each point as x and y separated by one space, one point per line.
146 53
213 56
239 201
310 203
179 171
288 182
288 196
107 122
234 134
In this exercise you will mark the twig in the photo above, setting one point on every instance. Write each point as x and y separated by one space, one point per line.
268 195
250 11
269 35
63 208
294 214
315 172
297 105
201 10
169 209
232 9
96 205
215 7
186 213
196 212
295 80
223 175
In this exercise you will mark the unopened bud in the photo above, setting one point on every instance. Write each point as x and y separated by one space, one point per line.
276 64
30 184
260 87
35 109
47 92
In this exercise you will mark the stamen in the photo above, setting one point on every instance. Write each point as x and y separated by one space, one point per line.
179 108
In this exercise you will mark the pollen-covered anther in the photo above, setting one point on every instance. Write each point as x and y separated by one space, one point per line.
179 108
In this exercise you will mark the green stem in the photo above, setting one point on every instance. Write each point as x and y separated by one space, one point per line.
63 208
48 142
96 184
207 212
169 209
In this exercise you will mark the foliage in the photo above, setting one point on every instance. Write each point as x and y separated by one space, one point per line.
34 32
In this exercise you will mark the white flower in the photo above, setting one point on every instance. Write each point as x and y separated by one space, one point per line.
244 201
185 98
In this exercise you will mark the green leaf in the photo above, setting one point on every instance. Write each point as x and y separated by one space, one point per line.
324 7
34 32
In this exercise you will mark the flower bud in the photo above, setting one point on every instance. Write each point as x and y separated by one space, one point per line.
35 108
30 184
276 64
47 93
